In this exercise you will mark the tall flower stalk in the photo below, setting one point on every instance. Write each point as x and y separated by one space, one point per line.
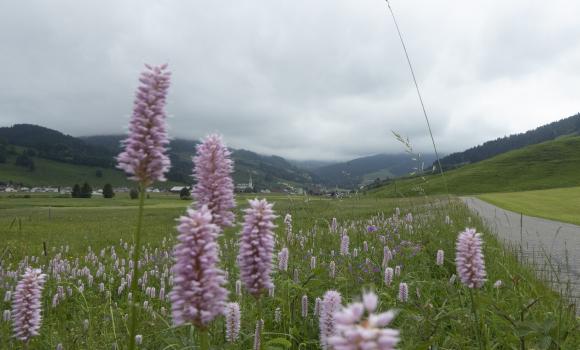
144 156
213 168
257 247
26 305
471 270
256 251
233 321
198 295
331 303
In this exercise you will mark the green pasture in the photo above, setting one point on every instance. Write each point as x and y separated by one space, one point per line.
561 204
438 314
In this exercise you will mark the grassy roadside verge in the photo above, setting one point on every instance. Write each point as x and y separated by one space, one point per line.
561 204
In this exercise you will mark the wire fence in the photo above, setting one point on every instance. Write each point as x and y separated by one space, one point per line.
558 272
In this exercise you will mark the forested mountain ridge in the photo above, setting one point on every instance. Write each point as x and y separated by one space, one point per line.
25 145
54 145
266 171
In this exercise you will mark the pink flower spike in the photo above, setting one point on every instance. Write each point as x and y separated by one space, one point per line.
144 156
283 259
469 259
403 292
26 304
213 170
440 257
198 295
331 303
233 321
257 247
353 332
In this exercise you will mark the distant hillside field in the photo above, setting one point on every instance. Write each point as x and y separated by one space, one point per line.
546 165
561 204
564 127
53 173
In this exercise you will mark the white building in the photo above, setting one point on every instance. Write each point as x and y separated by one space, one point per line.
245 186
176 189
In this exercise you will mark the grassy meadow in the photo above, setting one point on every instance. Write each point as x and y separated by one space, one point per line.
561 204
89 241
552 164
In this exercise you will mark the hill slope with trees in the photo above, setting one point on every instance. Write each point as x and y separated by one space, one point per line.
563 127
353 173
551 164
35 155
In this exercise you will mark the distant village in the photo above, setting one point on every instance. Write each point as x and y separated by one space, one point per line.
243 187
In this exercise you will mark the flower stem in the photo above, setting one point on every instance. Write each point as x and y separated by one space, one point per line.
259 304
136 253
203 339
475 315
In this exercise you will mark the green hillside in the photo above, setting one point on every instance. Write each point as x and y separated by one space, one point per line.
546 165
266 171
52 173
34 155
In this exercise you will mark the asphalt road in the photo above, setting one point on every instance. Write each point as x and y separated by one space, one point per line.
551 247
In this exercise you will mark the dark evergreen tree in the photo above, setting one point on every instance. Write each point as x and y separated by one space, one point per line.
86 190
30 152
185 193
133 194
76 191
3 153
108 191
23 160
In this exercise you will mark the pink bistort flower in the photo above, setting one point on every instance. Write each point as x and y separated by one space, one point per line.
331 303
469 259
440 257
283 259
353 332
198 295
26 304
213 170
233 320
144 156
257 247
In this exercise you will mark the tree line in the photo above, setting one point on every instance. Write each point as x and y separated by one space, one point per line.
86 191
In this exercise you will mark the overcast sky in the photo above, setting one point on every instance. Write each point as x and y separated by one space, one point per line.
303 79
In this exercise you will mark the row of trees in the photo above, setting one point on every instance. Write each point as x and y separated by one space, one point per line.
86 191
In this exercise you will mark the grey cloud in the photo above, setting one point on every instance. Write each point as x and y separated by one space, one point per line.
302 79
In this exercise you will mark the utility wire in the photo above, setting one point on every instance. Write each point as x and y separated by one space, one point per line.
419 94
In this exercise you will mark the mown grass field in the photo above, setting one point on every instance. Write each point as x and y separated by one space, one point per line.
561 204
551 164
437 314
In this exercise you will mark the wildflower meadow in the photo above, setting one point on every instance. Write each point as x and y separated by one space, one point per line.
273 272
